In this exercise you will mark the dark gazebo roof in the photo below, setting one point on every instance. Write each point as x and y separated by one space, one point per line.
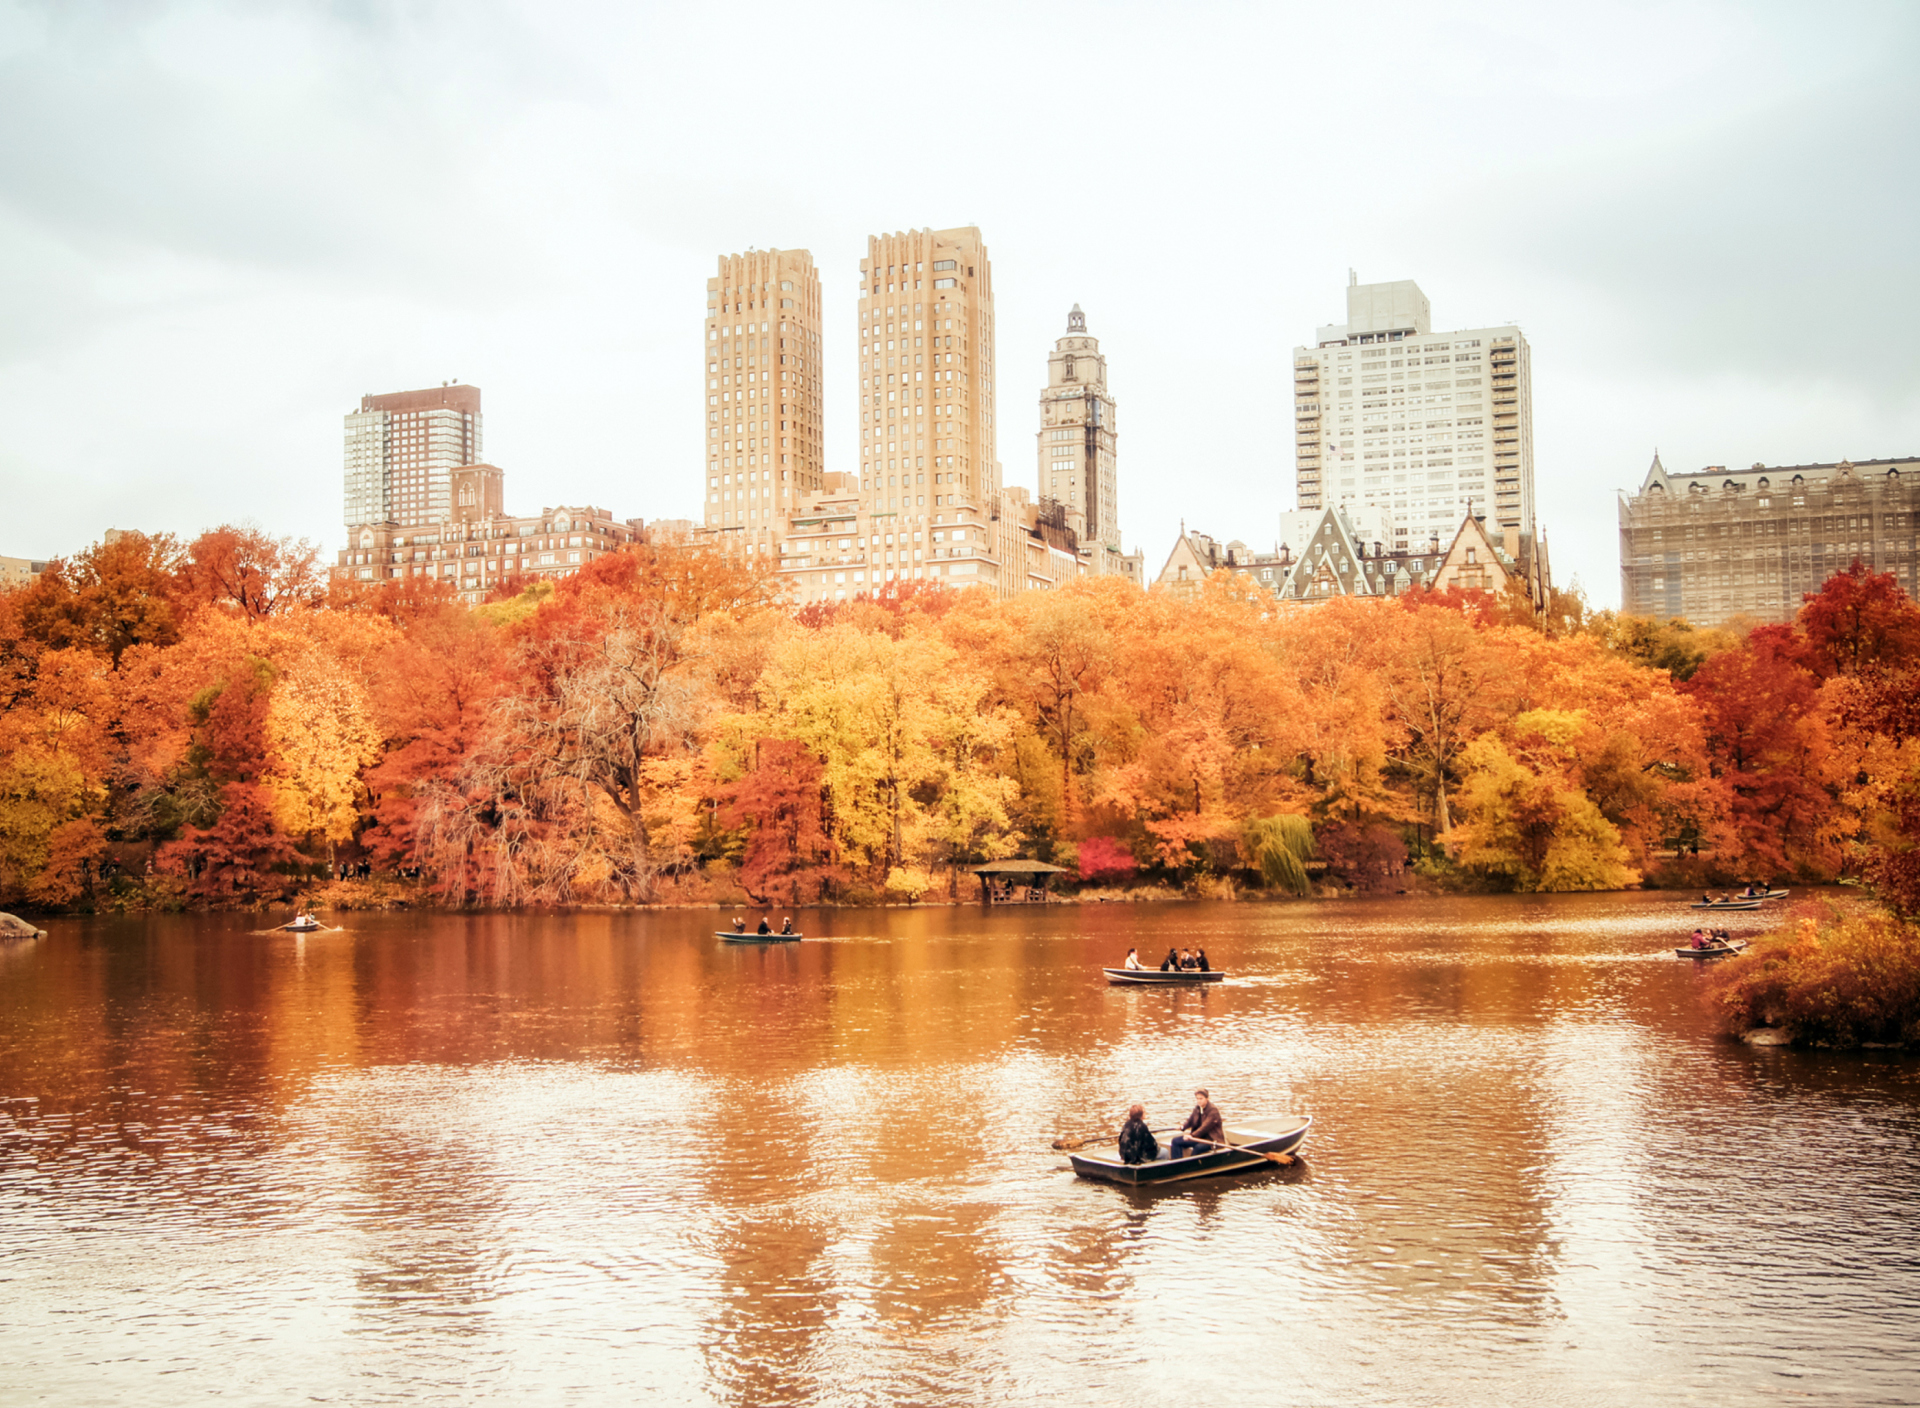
1018 867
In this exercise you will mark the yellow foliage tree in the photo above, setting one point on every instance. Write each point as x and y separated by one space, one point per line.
320 737
1524 817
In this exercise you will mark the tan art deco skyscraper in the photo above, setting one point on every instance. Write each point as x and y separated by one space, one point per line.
927 444
764 443
1078 430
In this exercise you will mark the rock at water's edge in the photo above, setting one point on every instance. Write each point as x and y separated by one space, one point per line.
12 928
1767 1036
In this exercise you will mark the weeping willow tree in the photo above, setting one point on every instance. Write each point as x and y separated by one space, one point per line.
1280 847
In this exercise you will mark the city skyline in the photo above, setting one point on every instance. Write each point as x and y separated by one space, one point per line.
534 221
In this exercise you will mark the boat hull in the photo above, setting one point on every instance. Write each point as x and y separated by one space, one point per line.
1155 978
1276 1134
1712 950
727 937
1742 904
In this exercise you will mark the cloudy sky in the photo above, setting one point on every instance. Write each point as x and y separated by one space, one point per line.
220 224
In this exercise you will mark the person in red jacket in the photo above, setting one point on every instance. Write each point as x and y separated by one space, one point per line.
1205 1123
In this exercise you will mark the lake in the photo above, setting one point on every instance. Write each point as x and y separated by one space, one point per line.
601 1157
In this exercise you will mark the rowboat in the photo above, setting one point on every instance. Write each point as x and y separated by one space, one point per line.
731 936
1269 1134
1159 977
1726 904
1715 950
303 925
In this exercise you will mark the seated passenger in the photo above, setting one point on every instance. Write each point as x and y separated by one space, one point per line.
765 928
786 925
1171 962
1133 961
1699 938
1200 960
1137 1144
1205 1123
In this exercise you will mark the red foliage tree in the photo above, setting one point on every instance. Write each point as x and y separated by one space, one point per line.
1768 746
248 571
789 850
241 856
1103 859
1859 621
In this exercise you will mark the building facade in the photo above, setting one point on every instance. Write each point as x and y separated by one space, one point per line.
1432 426
765 444
927 429
20 572
1712 546
1078 437
402 448
1329 552
478 544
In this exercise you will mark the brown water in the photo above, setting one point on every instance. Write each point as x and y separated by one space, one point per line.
603 1158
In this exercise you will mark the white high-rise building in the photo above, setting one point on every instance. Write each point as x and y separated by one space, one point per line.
1393 417
401 449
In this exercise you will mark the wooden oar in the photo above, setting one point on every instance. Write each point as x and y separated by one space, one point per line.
1105 1136
1284 1160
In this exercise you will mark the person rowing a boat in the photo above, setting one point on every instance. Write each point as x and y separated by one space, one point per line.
1206 1124
765 928
786 925
1137 1144
1133 962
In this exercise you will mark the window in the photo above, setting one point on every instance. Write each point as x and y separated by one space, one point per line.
943 283
940 265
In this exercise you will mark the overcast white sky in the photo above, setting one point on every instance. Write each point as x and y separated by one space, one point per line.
220 224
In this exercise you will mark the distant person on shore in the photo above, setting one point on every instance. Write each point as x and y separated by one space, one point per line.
1133 961
1137 1144
1206 1124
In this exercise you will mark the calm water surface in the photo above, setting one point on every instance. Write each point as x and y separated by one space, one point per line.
602 1158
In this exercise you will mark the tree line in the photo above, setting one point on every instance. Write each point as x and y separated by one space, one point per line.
211 722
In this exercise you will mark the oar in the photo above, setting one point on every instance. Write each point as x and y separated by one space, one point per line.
1284 1160
1081 1141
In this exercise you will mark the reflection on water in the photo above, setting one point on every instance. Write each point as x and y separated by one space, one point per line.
491 1158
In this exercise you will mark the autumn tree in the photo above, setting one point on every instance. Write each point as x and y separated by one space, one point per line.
111 597
1859 621
789 853
251 572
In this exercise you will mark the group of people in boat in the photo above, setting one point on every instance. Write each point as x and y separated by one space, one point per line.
1205 1128
740 925
1751 892
1176 959
1711 938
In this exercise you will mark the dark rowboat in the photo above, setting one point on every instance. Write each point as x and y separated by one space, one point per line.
729 936
1714 950
1156 977
1270 1134
1726 904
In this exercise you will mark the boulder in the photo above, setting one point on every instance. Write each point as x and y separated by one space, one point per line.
12 928
1768 1036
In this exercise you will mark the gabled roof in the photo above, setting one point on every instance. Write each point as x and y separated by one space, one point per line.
1329 562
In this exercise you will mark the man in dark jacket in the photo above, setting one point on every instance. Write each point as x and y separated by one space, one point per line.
1137 1144
1205 1123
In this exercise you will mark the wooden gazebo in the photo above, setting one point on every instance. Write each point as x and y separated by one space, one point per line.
1015 881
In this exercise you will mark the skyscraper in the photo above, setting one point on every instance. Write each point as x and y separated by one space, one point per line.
1078 429
1390 415
764 443
401 448
927 446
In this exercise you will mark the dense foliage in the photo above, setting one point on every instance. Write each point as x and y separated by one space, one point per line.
212 722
